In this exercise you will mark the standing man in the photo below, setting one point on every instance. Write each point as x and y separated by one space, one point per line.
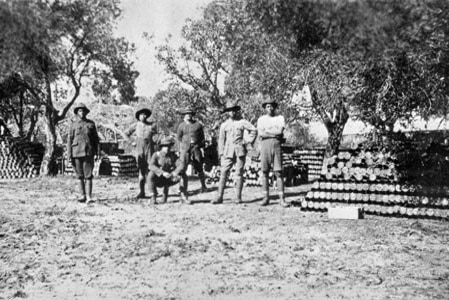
191 142
82 147
145 130
270 128
165 170
232 149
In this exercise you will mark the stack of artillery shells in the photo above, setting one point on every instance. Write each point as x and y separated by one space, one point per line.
368 179
294 173
19 158
359 166
123 165
313 159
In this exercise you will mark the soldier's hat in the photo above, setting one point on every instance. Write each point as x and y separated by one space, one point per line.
142 109
81 106
166 141
188 110
267 100
231 105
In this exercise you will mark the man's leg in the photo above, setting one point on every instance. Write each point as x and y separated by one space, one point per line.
265 189
184 194
88 167
265 165
78 166
152 187
142 167
240 164
199 169
82 190
226 164
280 183
165 194
277 168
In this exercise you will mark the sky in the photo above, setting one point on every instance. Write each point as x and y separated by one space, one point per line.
159 18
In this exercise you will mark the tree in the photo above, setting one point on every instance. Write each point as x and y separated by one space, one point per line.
278 46
55 47
199 64
407 71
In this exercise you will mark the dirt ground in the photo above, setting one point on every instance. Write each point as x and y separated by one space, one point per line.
52 247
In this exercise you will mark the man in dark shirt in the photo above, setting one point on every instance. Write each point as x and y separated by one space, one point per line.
191 142
82 147
166 170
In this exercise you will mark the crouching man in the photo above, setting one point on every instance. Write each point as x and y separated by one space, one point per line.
166 170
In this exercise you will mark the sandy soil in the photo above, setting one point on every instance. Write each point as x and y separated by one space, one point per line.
52 247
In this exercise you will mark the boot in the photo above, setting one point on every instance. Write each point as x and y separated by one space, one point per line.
282 200
165 195
184 198
266 189
82 188
89 191
152 200
221 187
238 189
280 183
152 188
141 193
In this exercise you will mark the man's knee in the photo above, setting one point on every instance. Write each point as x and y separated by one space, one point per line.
278 174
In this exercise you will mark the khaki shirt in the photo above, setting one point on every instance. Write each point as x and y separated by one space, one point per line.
144 141
231 142
83 139
165 162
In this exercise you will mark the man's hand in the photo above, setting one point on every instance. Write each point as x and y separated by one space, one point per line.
167 175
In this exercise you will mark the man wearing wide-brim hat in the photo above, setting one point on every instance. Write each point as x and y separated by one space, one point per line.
145 129
82 147
165 170
270 129
191 140
232 148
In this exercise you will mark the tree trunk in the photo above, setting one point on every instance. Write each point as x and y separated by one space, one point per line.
48 166
335 133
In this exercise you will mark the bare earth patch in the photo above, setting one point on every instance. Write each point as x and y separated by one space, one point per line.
51 246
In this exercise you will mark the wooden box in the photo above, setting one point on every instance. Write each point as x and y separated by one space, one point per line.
350 213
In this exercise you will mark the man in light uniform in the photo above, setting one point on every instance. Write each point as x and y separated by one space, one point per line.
270 128
191 141
232 149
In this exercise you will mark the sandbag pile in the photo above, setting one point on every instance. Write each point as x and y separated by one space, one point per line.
369 179
19 158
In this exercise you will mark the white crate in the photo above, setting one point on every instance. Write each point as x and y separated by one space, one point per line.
351 213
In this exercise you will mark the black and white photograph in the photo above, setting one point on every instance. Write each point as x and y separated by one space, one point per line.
224 149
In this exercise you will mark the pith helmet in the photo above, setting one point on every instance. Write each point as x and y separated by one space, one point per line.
231 105
188 110
166 141
267 100
142 109
81 106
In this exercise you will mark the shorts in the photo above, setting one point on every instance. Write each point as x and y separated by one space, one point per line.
84 167
270 155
